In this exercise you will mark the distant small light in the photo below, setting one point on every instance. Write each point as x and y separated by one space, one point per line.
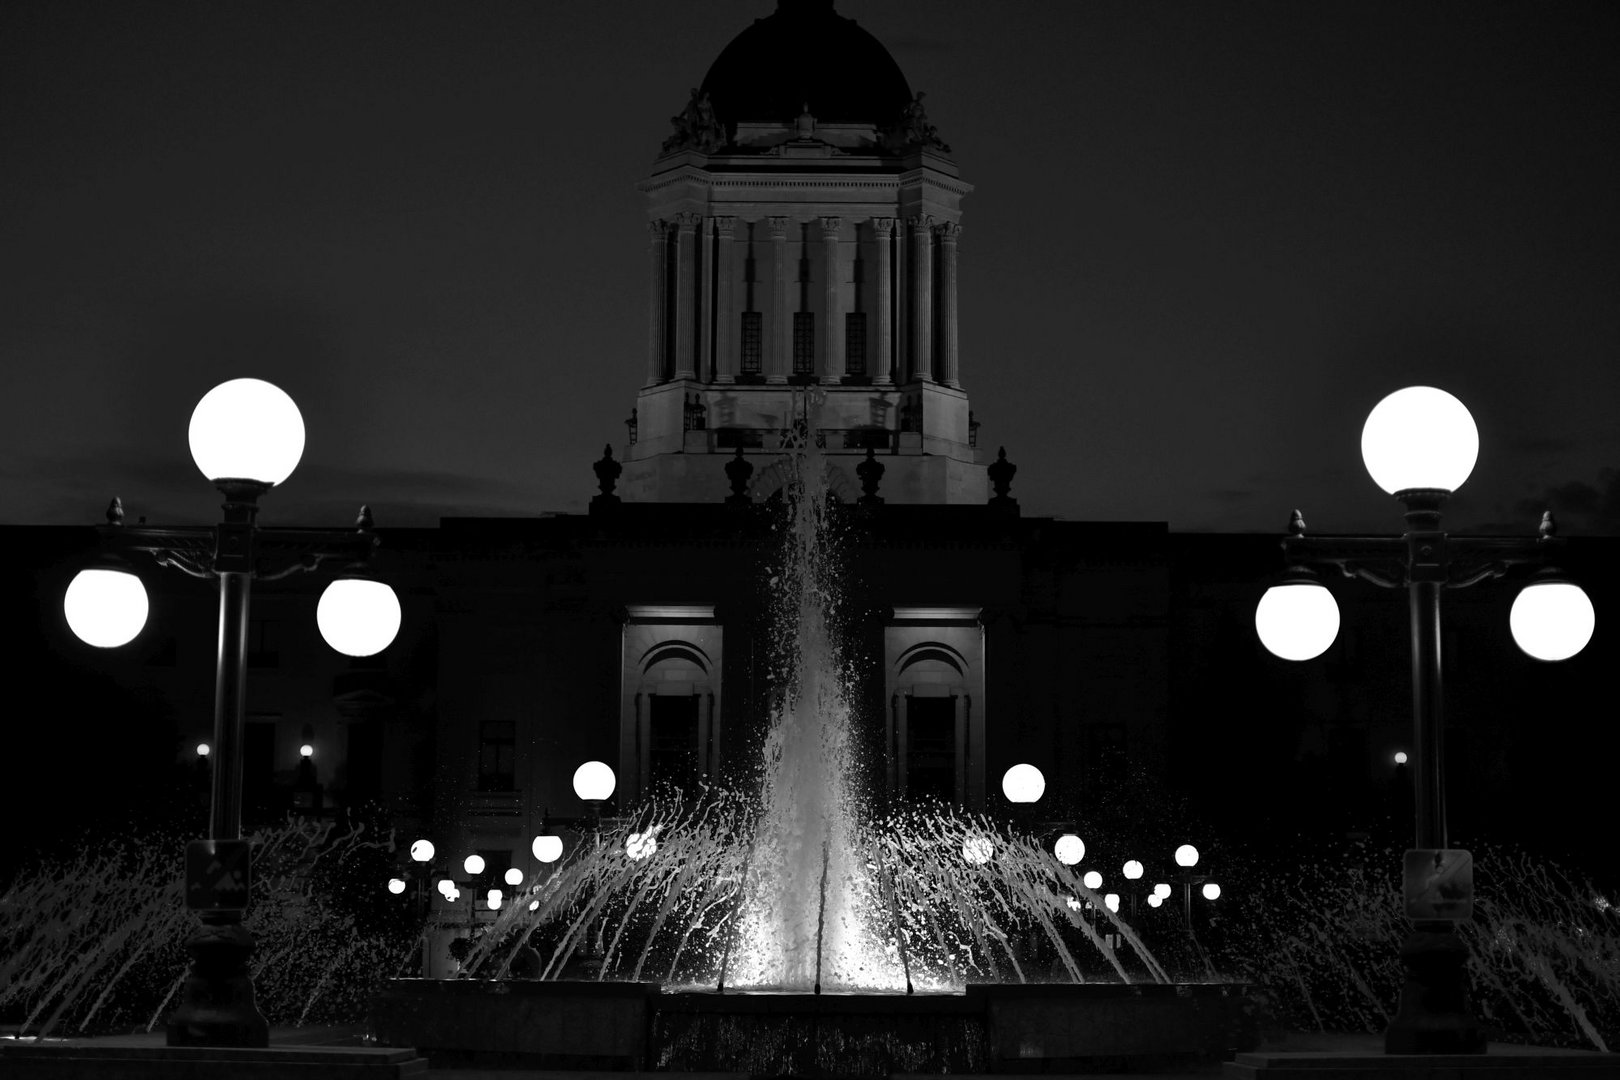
1400 757
1093 880
534 905
396 886
1112 900
1162 891
514 876
1133 869
1155 900
306 750
202 749
1212 891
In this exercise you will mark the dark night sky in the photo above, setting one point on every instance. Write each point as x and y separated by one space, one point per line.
1206 239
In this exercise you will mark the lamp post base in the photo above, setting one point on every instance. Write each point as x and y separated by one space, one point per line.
1433 1015
216 1000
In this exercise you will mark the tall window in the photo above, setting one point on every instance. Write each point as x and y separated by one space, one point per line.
855 343
931 747
751 335
804 343
497 755
673 743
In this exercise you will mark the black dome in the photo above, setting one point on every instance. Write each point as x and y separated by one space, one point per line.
805 54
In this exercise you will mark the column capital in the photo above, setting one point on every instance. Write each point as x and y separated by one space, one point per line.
725 227
883 226
948 231
921 221
657 231
688 220
830 226
778 226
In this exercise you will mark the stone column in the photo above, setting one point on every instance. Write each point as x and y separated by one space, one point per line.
685 268
780 355
883 339
705 356
725 354
656 257
832 343
922 297
948 233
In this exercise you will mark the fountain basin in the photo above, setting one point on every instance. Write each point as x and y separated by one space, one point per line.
986 1028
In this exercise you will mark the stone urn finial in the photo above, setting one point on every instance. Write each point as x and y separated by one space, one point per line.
1001 473
738 470
607 475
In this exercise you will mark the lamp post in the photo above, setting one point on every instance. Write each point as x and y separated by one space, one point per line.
246 437
1419 444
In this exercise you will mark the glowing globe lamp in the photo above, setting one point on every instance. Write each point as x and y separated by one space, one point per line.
473 864
1212 891
1154 900
1023 784
306 750
1112 901
1161 890
493 899
548 849
246 429
1400 757
1092 880
1133 869
358 616
594 781
514 876
640 845
978 850
1419 437
1069 849
202 749
396 885
1297 620
422 851
1552 620
1186 855
105 607
446 887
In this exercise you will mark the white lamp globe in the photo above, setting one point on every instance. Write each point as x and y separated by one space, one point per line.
1419 437
1212 891
1154 900
422 851
1552 620
978 850
1023 784
358 616
246 429
1092 880
594 781
306 750
493 898
1161 890
1069 849
396 885
1186 855
1112 901
548 849
1133 869
1400 757
1297 620
446 887
203 749
514 876
473 864
104 607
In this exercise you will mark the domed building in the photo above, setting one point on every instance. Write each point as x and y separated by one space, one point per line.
803 223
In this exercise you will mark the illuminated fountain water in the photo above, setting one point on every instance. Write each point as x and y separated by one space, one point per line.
802 888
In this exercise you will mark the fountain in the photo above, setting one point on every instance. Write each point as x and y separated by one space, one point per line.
802 928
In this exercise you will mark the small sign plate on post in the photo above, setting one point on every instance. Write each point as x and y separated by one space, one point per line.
217 875
1439 884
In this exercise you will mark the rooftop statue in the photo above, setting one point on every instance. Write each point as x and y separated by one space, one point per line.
696 128
913 129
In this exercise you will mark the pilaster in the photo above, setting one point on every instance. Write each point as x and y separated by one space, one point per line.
657 232
948 233
922 297
686 267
